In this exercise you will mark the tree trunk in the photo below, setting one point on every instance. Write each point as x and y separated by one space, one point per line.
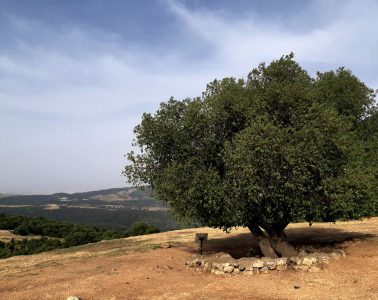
282 247
263 241
274 245
279 242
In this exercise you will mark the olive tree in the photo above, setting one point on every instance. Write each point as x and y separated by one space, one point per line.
261 152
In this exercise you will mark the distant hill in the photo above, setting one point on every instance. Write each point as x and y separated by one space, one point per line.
126 193
115 207
4 195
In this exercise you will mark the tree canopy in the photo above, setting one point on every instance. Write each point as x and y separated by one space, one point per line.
276 147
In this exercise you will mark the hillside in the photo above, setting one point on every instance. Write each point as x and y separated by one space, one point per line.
138 268
116 207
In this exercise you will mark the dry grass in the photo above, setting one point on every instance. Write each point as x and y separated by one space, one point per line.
6 236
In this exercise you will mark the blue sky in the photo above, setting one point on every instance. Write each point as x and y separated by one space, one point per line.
76 76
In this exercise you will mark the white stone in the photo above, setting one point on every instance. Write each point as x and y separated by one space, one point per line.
228 269
307 261
271 265
281 261
299 260
217 266
258 264
218 273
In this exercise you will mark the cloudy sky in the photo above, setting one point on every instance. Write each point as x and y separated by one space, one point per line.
75 76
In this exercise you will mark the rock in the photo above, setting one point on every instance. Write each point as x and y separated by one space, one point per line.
298 260
192 263
281 261
223 264
258 264
300 268
334 255
207 266
246 263
271 265
281 267
324 259
217 266
341 253
314 269
197 262
218 273
314 260
228 269
346 243
307 261
165 245
73 298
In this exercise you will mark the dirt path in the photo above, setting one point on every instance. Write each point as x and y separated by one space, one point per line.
113 270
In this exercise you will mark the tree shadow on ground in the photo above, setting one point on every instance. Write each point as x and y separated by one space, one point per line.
244 245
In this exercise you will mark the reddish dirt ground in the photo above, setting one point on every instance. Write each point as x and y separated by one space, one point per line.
131 269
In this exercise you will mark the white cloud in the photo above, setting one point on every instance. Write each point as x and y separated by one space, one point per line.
69 98
346 38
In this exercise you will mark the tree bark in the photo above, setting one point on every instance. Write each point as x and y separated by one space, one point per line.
263 241
274 245
282 247
279 242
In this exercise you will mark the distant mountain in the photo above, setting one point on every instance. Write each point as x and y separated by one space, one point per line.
126 193
5 195
115 207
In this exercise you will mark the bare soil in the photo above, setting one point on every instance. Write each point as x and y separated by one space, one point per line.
137 268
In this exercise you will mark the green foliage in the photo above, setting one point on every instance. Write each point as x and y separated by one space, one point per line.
276 148
57 235
142 229
27 247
